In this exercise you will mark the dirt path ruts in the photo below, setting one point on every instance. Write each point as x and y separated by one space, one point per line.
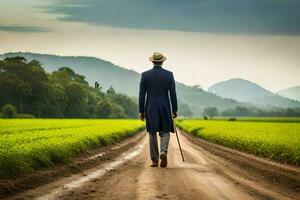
203 176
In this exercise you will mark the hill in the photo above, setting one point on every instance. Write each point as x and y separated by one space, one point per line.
93 69
124 80
292 93
246 91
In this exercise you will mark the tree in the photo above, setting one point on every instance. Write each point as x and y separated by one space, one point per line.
242 111
13 90
117 111
62 93
9 111
111 91
77 101
210 111
65 76
185 110
57 101
97 85
127 104
23 84
104 109
16 59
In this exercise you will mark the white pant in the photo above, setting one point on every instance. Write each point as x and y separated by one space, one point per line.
164 143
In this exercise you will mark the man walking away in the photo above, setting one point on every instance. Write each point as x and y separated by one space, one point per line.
157 97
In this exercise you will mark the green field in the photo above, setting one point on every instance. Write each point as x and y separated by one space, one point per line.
273 139
31 144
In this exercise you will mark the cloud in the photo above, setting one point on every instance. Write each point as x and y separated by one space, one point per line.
19 28
217 16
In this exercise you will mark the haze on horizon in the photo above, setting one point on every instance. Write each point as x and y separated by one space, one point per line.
205 41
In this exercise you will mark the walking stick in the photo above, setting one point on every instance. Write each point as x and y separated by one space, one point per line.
178 140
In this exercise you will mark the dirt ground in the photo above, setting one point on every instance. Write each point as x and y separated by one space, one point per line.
208 173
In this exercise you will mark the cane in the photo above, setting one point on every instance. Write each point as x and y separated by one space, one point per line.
178 140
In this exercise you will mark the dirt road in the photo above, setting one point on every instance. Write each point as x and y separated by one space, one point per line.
128 176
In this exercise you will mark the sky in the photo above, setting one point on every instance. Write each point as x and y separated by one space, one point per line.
205 41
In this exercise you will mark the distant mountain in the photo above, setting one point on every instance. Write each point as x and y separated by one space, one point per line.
292 93
124 80
246 91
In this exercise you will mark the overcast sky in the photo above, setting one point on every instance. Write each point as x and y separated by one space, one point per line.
205 41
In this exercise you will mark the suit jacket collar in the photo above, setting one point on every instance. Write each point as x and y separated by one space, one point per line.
157 66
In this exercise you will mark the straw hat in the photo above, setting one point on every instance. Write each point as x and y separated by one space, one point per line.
157 57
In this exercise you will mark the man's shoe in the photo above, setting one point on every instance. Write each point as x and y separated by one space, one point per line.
154 164
164 160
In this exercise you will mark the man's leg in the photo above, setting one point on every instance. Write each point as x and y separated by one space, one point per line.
153 147
164 141
164 144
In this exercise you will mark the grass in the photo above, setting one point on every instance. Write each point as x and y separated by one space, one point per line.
31 144
277 140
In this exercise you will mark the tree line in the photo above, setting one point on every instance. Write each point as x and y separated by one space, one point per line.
27 88
243 111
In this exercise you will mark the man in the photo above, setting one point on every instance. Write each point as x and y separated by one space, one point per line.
157 88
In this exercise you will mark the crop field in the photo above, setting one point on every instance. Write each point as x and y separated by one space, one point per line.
275 140
31 144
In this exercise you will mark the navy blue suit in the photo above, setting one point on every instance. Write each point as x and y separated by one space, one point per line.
157 89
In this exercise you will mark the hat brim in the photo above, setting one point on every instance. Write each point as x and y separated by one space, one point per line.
160 60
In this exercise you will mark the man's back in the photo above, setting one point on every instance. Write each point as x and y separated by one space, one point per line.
158 83
155 87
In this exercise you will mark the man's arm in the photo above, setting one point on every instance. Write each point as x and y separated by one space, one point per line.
173 96
142 95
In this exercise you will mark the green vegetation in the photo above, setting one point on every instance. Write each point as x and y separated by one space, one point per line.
270 119
191 100
251 111
210 111
62 93
259 119
9 111
279 141
31 144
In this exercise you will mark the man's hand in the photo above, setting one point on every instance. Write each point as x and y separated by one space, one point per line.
142 116
174 115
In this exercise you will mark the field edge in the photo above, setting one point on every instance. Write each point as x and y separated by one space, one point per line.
14 185
287 176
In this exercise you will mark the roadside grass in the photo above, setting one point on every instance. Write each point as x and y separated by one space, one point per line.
279 141
32 144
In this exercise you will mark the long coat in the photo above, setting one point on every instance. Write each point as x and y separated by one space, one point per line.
157 89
